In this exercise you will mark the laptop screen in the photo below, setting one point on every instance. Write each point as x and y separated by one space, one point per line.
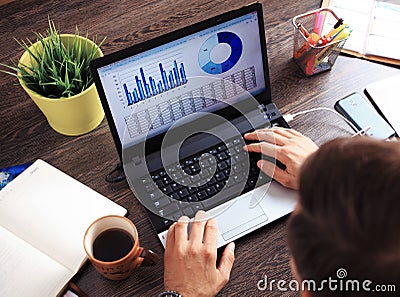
148 91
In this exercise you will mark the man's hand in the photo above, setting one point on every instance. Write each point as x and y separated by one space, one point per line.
190 262
286 145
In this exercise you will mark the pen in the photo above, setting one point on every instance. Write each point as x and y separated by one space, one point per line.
321 56
312 39
335 30
303 30
318 23
326 51
338 23
342 28
310 56
338 27
343 34
76 290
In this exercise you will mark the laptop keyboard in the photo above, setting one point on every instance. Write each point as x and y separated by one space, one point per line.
228 159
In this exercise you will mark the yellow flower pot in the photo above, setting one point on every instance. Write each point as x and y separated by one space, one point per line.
74 115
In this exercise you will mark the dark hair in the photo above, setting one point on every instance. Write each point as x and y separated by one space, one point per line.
349 215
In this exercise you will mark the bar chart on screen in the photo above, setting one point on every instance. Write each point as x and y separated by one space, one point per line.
153 79
204 95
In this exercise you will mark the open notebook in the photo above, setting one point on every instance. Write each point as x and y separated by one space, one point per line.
44 214
375 25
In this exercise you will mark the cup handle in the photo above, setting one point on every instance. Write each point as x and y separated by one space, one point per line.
149 258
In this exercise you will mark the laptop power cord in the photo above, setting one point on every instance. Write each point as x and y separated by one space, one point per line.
116 175
289 117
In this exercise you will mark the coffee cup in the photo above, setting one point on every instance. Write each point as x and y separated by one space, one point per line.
112 245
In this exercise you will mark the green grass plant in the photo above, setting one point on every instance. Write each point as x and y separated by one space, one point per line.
57 69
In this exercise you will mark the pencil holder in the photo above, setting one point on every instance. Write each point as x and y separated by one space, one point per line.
317 43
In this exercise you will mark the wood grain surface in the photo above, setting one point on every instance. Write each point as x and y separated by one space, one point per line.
26 136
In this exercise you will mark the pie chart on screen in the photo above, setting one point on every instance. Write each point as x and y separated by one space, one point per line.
220 52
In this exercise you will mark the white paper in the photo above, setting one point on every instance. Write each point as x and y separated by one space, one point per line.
25 271
385 94
384 38
391 50
362 6
51 211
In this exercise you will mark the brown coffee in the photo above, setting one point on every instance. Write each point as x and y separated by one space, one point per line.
112 244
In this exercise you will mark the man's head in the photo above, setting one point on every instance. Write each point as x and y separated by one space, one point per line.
348 214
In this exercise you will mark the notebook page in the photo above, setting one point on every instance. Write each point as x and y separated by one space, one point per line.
384 39
51 211
356 13
25 271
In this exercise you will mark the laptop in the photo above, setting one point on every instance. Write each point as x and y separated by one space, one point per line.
177 107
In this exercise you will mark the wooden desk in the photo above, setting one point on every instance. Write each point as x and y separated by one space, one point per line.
26 136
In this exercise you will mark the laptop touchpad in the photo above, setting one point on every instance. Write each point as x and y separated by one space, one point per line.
239 218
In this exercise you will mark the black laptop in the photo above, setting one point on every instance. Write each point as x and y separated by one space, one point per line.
177 107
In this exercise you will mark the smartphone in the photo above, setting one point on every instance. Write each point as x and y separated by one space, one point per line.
362 114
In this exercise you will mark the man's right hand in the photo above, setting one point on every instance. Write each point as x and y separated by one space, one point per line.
286 145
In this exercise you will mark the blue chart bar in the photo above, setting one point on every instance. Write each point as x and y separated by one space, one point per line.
176 74
153 86
135 96
183 74
171 80
128 95
140 88
163 77
148 87
145 85
159 86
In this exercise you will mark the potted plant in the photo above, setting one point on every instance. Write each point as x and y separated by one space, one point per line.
55 73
